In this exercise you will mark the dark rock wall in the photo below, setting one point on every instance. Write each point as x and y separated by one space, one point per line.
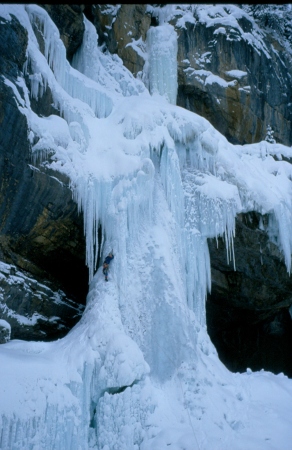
241 112
41 232
33 310
248 309
119 25
69 20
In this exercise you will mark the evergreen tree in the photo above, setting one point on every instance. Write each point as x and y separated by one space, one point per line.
273 17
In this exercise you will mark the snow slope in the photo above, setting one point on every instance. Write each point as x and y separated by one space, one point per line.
139 370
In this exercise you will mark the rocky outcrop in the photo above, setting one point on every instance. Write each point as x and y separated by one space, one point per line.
41 232
239 88
123 28
248 308
32 309
69 20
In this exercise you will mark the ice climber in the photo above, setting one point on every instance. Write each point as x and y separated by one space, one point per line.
106 264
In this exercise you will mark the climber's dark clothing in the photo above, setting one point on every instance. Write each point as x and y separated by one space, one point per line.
106 263
108 259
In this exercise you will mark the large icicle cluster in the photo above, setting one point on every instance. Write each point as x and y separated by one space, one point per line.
138 370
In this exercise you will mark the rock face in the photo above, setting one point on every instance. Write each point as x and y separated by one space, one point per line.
32 309
41 232
121 26
69 20
248 309
237 87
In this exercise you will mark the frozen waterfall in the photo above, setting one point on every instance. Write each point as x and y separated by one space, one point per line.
139 371
161 65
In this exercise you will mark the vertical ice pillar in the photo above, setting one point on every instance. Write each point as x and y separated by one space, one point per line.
162 62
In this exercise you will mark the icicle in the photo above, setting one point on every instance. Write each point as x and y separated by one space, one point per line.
171 179
119 206
279 230
76 85
198 270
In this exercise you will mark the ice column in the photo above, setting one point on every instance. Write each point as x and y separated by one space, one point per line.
162 61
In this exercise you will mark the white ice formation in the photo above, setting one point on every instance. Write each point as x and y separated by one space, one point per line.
161 62
139 371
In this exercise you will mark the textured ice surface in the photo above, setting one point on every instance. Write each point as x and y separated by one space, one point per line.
161 63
